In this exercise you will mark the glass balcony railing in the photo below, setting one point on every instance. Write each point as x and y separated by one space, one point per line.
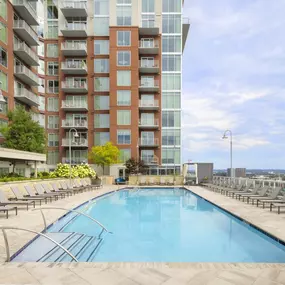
149 63
74 104
148 104
148 142
149 122
149 44
23 47
74 26
75 123
73 46
74 4
79 142
21 24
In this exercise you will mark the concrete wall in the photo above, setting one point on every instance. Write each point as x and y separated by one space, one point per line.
133 180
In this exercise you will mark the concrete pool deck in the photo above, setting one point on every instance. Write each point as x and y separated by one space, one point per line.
139 273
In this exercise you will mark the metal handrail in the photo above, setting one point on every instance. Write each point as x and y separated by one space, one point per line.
31 231
69 210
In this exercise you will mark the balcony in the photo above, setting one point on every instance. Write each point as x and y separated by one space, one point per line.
149 105
185 31
74 49
74 30
74 67
149 66
26 54
149 85
26 32
74 8
147 142
69 105
78 124
74 87
76 142
26 11
149 124
27 97
149 47
149 27
26 75
150 159
75 160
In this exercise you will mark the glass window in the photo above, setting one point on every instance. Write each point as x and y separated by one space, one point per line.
171 119
123 136
102 84
123 117
53 122
101 103
3 123
170 156
53 157
41 49
171 24
42 106
53 139
124 78
52 12
102 120
171 62
52 30
148 20
53 86
125 2
3 57
4 80
171 44
52 104
101 7
171 137
123 38
52 50
171 100
3 33
148 6
101 65
101 47
171 81
100 138
101 26
3 9
124 98
124 15
41 67
4 107
125 154
124 58
171 6
52 68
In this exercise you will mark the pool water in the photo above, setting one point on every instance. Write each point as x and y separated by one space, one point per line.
170 225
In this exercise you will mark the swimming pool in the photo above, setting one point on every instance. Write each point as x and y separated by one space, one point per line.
155 225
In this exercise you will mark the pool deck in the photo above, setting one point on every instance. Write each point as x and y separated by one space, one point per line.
139 273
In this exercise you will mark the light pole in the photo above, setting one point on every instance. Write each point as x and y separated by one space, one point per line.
231 147
70 141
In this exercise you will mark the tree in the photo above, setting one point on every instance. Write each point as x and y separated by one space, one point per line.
104 155
23 133
134 166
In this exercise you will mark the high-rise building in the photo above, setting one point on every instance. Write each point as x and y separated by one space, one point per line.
109 69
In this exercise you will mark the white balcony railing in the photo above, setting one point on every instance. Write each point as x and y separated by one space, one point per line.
148 104
148 142
74 4
80 142
18 24
75 123
149 23
74 26
75 160
149 63
76 64
149 83
74 84
27 5
149 44
149 123
23 92
73 104
21 69
23 47
73 46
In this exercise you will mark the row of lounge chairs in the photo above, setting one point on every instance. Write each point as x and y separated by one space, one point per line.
161 181
274 197
42 192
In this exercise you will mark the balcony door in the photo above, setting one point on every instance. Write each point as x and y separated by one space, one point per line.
147 138
147 43
147 118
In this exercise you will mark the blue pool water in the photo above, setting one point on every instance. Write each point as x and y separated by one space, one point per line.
169 225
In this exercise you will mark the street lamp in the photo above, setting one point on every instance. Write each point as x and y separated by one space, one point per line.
70 141
231 147
2 99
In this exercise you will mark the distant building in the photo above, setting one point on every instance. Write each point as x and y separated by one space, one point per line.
237 172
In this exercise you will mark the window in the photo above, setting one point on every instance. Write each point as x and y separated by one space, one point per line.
171 137
3 33
4 170
171 100
41 67
52 68
171 82
171 6
3 57
148 21
53 86
3 9
41 49
170 156
171 44
124 58
123 117
101 138
125 154
3 123
171 119
101 7
52 104
101 103
124 98
4 80
52 50
102 84
125 2
124 78
53 157
53 139
101 26
148 6
102 120
101 47
52 30
171 62
123 136
53 122
101 65
52 12
171 24
4 107
123 38
42 105
124 15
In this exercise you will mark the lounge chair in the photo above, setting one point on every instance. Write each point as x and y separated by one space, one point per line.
272 197
4 201
20 197
48 190
142 181
244 190
170 181
236 188
41 191
56 189
64 186
6 210
32 194
162 180
151 181
78 185
278 205
86 184
254 191
262 193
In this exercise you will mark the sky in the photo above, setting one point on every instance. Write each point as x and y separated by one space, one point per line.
234 78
